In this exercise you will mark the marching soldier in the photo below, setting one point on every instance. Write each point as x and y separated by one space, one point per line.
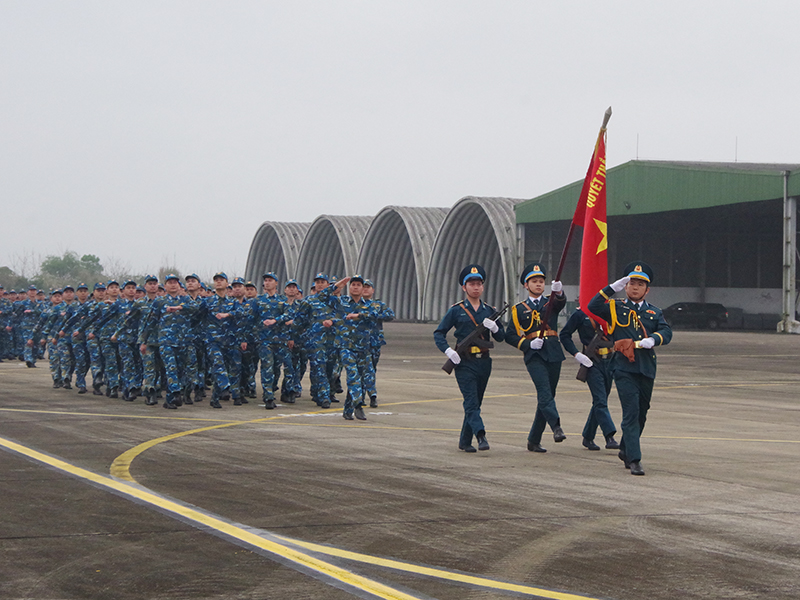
474 366
599 377
171 315
376 340
636 326
541 349
354 320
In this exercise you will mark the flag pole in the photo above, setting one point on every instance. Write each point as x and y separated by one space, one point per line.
548 308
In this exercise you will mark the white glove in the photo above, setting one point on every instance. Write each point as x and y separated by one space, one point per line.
490 325
620 284
537 343
556 287
583 359
647 343
453 356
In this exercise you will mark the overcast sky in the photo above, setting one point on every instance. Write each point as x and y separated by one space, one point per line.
167 132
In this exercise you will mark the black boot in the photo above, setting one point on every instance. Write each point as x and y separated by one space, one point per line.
373 401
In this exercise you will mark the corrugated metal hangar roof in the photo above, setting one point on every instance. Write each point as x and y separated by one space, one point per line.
651 186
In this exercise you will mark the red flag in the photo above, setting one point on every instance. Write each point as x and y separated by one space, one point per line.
591 215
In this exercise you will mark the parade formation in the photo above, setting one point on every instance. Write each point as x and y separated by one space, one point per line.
178 339
621 353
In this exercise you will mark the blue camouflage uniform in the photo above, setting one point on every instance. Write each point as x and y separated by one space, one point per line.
271 347
44 330
223 338
351 338
103 328
6 320
63 337
80 348
310 314
27 312
376 342
172 328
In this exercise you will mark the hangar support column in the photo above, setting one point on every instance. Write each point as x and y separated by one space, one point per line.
788 323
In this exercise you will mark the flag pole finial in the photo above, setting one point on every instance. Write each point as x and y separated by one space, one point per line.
606 118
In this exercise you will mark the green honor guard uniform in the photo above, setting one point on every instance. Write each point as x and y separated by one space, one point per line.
636 326
473 366
541 349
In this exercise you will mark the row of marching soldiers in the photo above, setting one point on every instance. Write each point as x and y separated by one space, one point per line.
185 337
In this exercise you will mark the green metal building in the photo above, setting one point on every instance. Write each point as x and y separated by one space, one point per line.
713 232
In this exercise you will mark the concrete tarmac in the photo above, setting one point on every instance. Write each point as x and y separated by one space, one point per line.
109 499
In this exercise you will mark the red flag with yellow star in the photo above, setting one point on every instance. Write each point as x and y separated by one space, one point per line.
591 215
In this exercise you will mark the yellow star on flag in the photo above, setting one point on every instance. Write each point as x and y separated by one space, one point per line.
603 227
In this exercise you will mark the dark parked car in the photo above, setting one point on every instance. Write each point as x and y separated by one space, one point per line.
696 314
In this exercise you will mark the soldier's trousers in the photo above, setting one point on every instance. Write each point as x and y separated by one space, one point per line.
368 379
65 358
599 379
635 391
54 360
131 359
174 359
299 361
5 343
225 364
472 375
19 341
30 353
375 351
334 368
545 376
96 361
111 363
320 384
192 376
81 361
355 364
250 358
151 366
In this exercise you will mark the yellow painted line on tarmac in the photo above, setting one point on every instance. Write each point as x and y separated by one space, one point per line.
119 416
724 385
433 572
208 521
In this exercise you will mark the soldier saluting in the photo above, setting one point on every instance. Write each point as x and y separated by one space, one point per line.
636 326
473 365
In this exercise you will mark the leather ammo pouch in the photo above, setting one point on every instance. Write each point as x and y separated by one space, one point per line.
626 347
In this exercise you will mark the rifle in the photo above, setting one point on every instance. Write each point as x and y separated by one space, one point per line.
598 341
475 338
